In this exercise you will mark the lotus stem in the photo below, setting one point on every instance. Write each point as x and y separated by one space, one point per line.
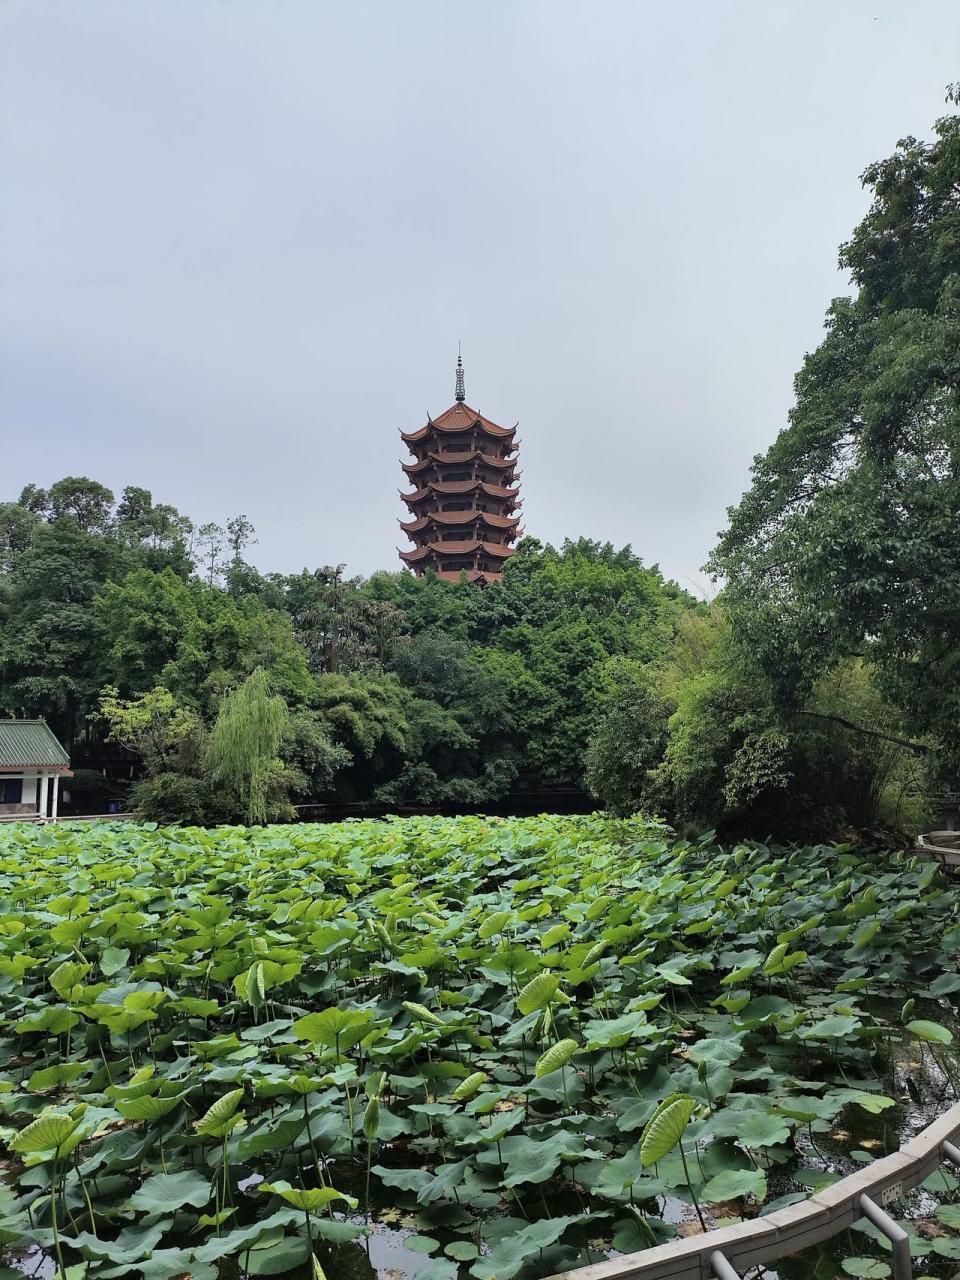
86 1194
310 1142
53 1221
693 1195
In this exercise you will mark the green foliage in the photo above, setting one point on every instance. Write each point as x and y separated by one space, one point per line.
165 734
179 797
629 740
846 541
184 1008
244 748
518 668
734 759
555 1058
665 1128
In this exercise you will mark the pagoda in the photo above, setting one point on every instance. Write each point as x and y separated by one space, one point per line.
464 507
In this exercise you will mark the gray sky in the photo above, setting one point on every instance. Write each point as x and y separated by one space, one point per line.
240 240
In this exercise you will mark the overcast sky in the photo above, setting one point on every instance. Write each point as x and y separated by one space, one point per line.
241 238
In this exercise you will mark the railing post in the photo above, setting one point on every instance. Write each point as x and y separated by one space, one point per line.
951 1152
899 1240
721 1267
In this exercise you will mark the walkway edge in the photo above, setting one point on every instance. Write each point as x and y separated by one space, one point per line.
773 1235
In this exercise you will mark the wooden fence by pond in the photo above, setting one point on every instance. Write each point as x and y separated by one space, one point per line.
724 1254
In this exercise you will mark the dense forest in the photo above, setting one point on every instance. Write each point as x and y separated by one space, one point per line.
125 624
819 693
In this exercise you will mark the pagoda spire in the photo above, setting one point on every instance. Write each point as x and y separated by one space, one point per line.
461 394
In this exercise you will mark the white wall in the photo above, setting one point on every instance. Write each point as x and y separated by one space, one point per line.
28 803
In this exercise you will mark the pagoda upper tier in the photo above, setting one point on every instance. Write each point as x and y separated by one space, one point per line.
466 493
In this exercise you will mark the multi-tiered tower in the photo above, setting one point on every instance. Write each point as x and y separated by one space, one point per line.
466 498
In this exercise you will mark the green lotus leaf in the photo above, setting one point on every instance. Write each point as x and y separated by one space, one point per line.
734 1183
148 1107
614 1033
338 1029
461 1250
113 959
220 1118
494 924
423 1014
508 1256
52 1077
308 1199
750 1127
66 977
538 993
468 1087
665 1128
865 1268
167 1192
839 1026
51 1131
931 1031
556 1056
421 1244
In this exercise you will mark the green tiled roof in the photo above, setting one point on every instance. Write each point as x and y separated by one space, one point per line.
29 742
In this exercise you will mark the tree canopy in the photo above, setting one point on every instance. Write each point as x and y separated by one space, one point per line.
130 627
847 541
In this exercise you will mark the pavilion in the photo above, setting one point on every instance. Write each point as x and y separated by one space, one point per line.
32 763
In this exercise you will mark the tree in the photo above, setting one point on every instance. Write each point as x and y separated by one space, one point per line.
846 543
629 739
311 756
17 526
50 648
84 501
33 498
143 621
244 749
167 736
210 544
225 639
537 641
368 716
340 626
158 531
133 521
170 740
736 760
239 535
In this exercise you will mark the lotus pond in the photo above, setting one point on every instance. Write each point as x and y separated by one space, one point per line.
454 1047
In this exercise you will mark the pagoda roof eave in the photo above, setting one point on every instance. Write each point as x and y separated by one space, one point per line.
495 549
491 491
458 418
441 549
450 460
417 554
489 518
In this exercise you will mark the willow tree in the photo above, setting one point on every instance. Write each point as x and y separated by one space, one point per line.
245 745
